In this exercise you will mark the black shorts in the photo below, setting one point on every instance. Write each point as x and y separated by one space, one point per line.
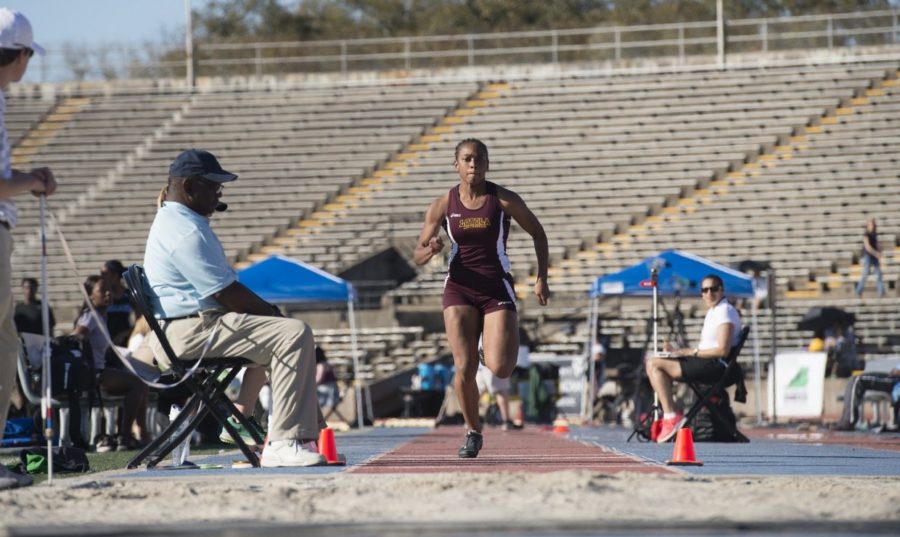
705 370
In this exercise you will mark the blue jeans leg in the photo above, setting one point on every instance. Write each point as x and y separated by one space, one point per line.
877 264
869 263
866 263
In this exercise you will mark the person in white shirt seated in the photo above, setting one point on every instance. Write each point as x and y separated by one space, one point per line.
704 363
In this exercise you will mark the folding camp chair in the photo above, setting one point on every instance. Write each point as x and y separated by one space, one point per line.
207 387
706 393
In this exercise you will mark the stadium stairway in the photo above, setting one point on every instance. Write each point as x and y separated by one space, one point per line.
30 144
733 201
312 236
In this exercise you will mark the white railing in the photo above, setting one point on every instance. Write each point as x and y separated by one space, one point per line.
676 41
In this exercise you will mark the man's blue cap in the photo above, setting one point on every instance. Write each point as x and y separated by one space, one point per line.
199 163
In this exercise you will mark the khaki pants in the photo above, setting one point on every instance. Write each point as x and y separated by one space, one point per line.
285 346
8 336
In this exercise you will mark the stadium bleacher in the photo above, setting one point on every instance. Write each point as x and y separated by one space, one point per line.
781 164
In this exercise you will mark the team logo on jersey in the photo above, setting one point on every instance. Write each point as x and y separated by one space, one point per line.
474 223
455 215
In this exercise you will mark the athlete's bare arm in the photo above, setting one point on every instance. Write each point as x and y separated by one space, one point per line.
430 242
514 206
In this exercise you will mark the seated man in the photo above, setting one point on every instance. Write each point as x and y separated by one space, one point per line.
721 331
203 308
857 387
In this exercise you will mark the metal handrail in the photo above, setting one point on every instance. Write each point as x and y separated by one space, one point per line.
671 40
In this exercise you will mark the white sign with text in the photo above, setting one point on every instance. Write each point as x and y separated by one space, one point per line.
798 390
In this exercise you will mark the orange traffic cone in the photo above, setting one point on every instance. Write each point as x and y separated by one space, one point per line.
561 426
683 455
328 448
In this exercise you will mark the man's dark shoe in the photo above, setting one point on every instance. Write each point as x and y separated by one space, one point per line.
472 445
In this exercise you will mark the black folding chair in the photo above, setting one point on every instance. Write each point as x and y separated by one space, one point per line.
705 393
207 387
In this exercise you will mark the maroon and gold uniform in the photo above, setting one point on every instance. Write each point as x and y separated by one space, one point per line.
478 269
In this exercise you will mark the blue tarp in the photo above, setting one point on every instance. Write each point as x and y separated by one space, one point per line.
283 280
679 273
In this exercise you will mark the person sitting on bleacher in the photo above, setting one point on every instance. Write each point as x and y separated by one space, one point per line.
28 312
112 380
704 363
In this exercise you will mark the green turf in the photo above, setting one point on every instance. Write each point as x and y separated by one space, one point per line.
113 460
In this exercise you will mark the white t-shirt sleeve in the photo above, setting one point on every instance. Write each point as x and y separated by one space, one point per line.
722 313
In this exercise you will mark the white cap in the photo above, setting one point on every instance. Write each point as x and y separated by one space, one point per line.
15 32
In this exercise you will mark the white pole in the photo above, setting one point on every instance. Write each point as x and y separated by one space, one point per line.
720 34
655 298
587 404
757 377
189 44
47 399
357 382
654 278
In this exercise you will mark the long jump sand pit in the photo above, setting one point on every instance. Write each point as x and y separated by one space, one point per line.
590 478
523 498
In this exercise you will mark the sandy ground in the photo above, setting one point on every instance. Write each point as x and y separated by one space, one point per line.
570 496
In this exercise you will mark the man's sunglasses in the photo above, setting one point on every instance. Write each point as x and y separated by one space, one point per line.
212 185
713 289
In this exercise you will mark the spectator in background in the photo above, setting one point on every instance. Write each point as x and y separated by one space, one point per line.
326 381
523 365
760 289
871 258
113 381
857 387
119 314
599 348
498 388
28 312
16 49
842 355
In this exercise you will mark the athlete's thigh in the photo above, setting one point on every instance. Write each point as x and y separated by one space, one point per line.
463 325
501 341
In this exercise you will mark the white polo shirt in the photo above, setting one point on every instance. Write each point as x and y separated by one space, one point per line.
720 314
185 263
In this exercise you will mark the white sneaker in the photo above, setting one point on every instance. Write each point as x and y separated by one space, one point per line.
278 453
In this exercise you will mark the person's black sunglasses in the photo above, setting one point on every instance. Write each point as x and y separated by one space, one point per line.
713 289
29 52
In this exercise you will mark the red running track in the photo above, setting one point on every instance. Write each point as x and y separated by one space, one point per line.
528 450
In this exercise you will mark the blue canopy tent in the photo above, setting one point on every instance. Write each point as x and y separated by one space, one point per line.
282 280
677 274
